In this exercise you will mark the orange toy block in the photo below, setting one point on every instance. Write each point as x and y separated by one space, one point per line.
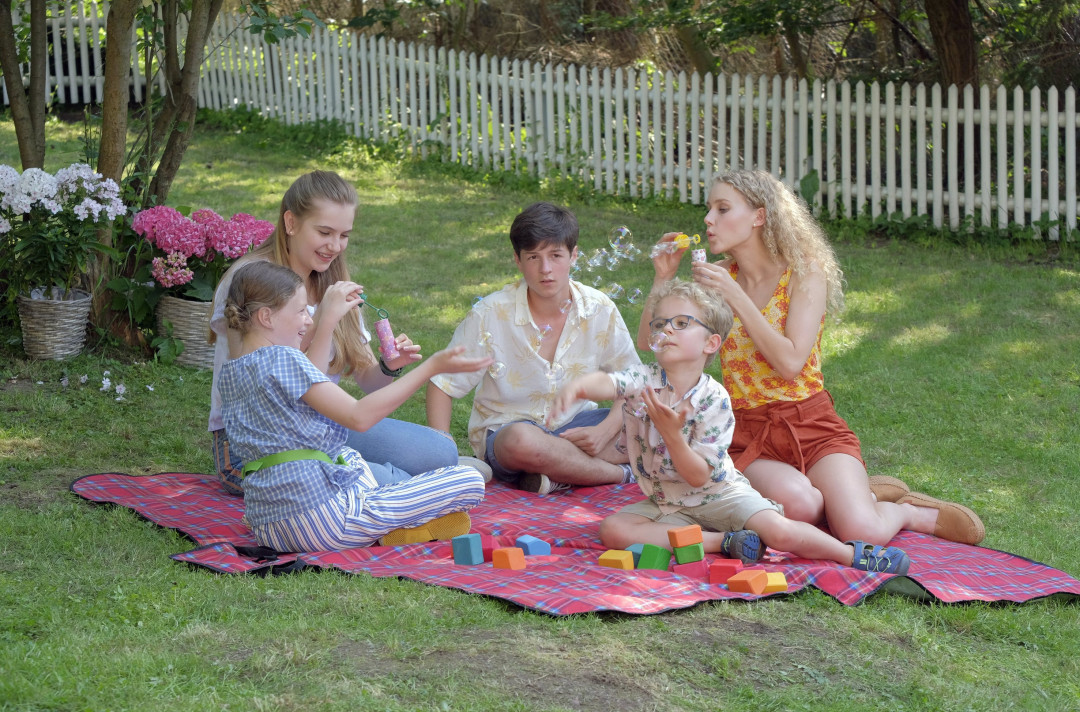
723 569
509 557
618 559
749 581
685 536
777 582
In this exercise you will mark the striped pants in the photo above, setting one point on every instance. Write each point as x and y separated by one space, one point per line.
359 517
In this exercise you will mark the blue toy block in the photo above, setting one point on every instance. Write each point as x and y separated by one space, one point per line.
532 546
468 549
635 549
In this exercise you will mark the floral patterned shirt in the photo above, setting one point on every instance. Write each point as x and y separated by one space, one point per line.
594 338
708 430
748 376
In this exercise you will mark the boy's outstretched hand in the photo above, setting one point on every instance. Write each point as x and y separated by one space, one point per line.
668 421
566 397
454 360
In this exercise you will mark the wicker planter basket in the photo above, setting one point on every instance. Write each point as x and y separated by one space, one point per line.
54 329
191 325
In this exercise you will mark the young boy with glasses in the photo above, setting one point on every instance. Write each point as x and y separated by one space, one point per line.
678 424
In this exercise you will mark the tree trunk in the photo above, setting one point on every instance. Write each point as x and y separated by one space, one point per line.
113 147
27 105
114 103
954 39
174 126
699 53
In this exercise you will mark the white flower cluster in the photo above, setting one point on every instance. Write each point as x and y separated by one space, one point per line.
77 188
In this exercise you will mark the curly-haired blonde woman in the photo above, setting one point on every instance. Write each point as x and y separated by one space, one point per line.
780 278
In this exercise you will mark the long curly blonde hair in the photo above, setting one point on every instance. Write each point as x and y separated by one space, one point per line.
790 232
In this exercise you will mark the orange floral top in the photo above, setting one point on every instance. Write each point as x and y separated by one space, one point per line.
748 377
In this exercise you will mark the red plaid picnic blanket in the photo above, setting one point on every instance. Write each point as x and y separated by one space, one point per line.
569 580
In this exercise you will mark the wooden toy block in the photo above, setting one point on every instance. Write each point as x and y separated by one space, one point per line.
749 581
690 553
618 559
508 557
635 549
468 549
488 545
684 536
531 545
723 569
777 582
693 569
654 557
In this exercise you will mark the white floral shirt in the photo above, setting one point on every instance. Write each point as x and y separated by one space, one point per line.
708 431
594 338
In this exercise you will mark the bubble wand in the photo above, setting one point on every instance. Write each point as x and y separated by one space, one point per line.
681 242
387 345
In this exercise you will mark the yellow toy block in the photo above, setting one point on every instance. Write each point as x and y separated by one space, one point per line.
618 559
777 582
685 536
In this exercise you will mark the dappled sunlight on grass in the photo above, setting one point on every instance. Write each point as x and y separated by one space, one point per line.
21 448
841 337
921 336
875 302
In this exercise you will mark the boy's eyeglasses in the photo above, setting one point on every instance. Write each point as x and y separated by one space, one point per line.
678 323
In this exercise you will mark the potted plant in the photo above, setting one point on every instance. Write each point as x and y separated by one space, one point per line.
192 253
48 232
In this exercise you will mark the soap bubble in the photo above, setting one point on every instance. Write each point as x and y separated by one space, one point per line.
658 341
681 242
497 369
597 280
477 300
612 263
634 295
485 340
636 408
566 306
555 374
620 238
614 290
598 259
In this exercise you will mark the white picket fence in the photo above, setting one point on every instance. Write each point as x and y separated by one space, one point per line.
963 156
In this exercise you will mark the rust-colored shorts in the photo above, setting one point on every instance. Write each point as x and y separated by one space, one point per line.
798 433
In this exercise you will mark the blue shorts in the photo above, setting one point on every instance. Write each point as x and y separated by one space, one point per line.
584 419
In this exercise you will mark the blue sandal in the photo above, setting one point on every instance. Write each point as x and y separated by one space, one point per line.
879 559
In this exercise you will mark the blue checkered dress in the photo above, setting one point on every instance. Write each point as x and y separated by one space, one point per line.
310 505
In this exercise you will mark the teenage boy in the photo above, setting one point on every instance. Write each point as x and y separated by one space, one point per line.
679 424
541 330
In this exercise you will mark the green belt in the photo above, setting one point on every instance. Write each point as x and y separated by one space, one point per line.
289 456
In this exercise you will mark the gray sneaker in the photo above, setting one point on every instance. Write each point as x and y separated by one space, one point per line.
477 464
540 484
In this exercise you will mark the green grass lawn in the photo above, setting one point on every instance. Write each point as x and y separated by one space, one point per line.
957 368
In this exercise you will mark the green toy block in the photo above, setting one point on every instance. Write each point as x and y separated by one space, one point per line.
690 554
654 557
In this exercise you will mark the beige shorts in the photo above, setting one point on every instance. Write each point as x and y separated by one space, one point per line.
738 502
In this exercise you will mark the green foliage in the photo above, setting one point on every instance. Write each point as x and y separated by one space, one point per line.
954 364
275 28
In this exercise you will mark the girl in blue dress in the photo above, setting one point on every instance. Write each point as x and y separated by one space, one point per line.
304 488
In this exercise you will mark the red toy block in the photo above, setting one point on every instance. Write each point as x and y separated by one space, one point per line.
618 559
488 545
693 569
723 569
685 536
509 557
749 581
777 582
